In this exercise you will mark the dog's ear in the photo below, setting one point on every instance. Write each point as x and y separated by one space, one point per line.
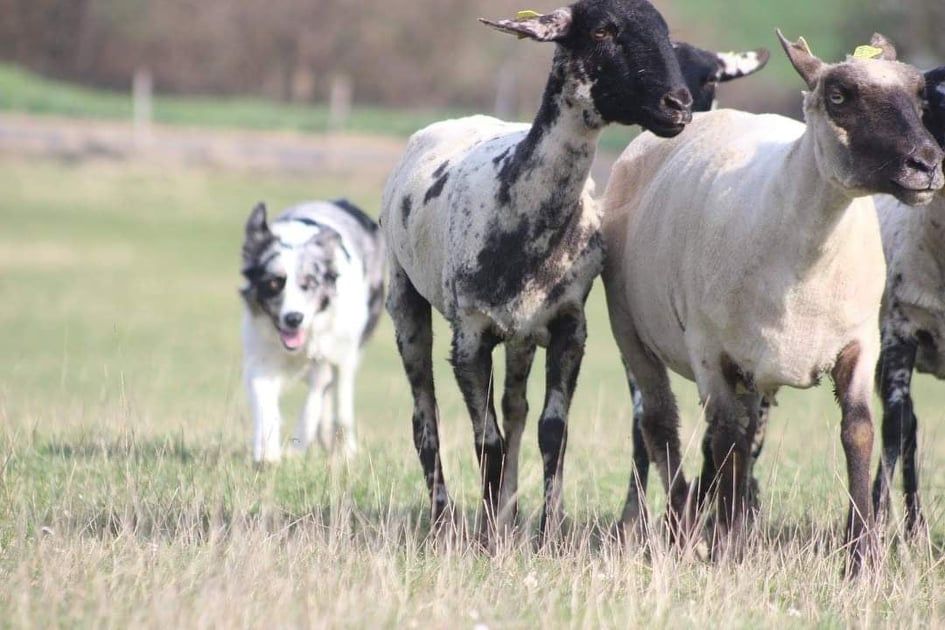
256 223
258 235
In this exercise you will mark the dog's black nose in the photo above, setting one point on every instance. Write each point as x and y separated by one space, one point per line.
293 319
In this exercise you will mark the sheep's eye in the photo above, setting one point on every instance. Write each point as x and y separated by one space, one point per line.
837 98
605 32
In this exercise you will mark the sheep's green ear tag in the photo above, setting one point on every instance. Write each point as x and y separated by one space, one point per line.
867 52
527 14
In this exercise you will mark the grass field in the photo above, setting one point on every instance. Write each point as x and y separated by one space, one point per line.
127 496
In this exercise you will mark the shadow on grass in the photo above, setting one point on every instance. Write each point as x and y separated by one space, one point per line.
131 448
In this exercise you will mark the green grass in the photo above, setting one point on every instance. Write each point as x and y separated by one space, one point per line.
127 496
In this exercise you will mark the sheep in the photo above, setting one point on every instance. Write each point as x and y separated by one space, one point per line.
703 70
493 224
908 264
913 319
745 255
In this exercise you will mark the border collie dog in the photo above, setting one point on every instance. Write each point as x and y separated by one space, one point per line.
313 296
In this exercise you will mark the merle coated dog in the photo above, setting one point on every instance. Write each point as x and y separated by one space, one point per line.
313 296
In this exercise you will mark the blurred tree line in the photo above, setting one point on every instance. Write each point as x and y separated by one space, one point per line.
399 52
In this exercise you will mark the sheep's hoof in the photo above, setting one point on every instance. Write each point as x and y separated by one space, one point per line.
916 528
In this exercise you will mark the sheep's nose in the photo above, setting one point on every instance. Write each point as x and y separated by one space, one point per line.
293 319
680 102
920 164
926 158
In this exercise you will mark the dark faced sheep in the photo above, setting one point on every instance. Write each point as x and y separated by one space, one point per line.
746 255
913 318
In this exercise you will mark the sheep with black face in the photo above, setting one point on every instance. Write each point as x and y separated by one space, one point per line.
913 318
745 255
493 224
912 330
703 70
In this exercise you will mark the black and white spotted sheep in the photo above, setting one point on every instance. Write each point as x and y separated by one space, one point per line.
913 319
493 224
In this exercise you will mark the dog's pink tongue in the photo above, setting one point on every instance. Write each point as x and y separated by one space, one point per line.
292 340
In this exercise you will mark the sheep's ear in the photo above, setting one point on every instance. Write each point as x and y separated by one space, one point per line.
543 28
803 60
934 116
935 88
889 51
737 65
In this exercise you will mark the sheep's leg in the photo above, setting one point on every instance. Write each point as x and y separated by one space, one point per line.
472 365
894 379
659 430
915 522
658 421
757 444
852 375
733 420
563 362
707 478
660 425
413 326
518 365
635 506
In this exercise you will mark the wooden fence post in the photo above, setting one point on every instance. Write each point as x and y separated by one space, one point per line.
142 94
339 102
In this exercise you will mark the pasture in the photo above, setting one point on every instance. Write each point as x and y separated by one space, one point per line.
127 495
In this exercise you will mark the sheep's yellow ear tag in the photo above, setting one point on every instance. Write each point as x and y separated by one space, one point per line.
867 52
527 14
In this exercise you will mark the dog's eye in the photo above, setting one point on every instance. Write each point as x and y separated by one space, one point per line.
309 283
330 278
272 286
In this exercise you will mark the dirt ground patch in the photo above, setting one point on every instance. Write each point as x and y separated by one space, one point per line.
259 151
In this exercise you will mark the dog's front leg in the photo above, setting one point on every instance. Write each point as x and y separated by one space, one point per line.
344 402
264 390
312 418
